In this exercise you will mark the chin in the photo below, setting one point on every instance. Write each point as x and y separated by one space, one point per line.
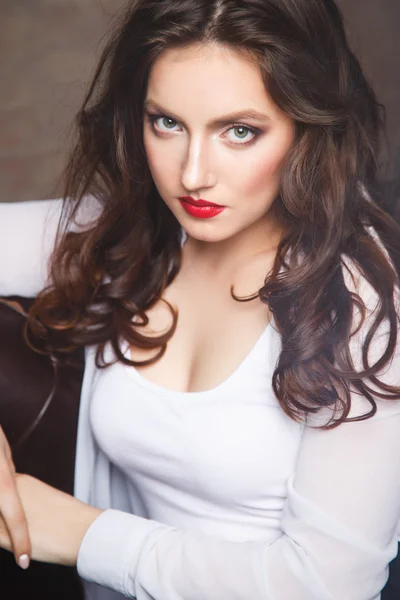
203 232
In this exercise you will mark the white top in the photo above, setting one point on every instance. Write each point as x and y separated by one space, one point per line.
214 462
231 499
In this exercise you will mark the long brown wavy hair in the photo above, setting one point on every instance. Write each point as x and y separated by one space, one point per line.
119 265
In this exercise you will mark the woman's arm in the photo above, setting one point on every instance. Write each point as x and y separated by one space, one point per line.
11 511
339 531
27 237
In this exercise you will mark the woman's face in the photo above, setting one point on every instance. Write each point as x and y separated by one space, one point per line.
212 133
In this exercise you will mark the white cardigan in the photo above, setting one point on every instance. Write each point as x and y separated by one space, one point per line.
340 523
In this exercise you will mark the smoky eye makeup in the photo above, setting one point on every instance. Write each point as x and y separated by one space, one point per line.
168 122
237 135
241 135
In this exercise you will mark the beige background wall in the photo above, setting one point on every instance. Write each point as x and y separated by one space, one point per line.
374 27
47 53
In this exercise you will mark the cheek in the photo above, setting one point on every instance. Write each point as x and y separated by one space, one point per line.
260 176
163 160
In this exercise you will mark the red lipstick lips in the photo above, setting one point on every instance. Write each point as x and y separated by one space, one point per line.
201 209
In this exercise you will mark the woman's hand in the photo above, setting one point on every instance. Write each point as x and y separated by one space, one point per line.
11 511
57 521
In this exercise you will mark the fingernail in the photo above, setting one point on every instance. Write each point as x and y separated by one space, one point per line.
24 561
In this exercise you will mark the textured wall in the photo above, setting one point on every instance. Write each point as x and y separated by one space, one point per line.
48 49
373 27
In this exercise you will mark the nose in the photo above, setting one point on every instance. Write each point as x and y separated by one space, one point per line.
197 173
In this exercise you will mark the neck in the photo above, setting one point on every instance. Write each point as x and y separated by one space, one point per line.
246 256
225 255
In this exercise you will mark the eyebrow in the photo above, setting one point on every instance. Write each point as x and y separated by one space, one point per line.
241 115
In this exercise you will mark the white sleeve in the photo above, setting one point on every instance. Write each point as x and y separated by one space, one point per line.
27 237
339 527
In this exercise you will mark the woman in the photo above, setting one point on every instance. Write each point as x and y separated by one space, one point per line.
223 262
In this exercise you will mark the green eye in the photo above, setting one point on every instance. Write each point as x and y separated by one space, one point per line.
241 132
168 123
241 135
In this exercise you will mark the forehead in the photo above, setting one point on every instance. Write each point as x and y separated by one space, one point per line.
204 81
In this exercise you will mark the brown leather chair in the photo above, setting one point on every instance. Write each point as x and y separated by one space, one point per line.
39 404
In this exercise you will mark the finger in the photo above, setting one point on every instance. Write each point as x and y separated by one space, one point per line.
10 461
5 541
14 518
5 447
11 467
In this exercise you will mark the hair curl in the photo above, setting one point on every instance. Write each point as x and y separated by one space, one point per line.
118 267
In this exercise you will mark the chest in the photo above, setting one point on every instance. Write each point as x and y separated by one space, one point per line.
213 336
231 446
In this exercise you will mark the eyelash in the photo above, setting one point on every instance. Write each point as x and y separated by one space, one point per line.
152 118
